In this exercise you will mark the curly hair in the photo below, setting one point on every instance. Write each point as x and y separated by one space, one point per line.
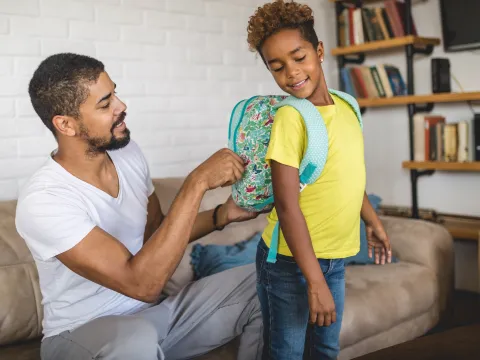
273 17
59 85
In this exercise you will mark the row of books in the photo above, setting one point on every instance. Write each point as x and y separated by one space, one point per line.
436 140
372 81
360 25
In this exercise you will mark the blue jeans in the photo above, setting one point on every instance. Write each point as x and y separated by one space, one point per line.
282 291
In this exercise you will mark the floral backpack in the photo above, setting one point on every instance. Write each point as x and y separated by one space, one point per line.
249 135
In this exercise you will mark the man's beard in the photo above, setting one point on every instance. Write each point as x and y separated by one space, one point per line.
99 145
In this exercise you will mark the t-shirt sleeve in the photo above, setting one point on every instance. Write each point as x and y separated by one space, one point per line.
287 139
52 222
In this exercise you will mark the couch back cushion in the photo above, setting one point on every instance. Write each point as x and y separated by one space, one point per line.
20 298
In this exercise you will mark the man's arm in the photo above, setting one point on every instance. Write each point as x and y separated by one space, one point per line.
103 259
203 222
228 213
286 186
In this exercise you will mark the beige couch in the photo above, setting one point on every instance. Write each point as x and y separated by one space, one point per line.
384 305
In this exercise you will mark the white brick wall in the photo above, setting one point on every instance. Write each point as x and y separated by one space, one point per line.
180 66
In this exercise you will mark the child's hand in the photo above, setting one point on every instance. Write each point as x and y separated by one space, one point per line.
378 244
321 304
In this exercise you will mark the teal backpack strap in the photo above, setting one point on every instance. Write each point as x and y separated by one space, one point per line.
315 156
273 250
350 100
317 147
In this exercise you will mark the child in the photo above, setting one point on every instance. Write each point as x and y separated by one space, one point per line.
321 226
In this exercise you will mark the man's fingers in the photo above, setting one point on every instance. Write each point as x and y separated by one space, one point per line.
370 250
383 256
377 255
234 155
313 317
334 317
239 167
238 174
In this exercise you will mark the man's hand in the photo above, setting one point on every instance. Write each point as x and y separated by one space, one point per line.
378 244
223 168
321 304
231 212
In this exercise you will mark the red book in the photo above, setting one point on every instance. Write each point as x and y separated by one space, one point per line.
351 29
430 121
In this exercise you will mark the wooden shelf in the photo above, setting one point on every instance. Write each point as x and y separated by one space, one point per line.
459 232
419 99
442 166
462 229
385 44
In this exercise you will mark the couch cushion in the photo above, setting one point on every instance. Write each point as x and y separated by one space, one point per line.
379 297
26 351
20 298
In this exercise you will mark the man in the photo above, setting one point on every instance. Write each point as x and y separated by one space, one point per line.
103 248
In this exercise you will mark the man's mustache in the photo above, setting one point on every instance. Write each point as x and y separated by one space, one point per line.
121 117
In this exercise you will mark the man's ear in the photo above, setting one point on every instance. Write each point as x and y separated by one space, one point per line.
320 51
64 125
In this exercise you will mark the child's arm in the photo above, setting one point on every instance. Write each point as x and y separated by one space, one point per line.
292 222
378 242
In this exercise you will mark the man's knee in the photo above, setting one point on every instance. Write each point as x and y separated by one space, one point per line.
140 342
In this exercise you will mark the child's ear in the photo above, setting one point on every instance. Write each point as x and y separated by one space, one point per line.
320 51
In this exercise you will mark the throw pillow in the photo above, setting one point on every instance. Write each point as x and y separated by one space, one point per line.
362 258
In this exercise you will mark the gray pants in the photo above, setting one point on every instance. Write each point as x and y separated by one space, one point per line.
204 315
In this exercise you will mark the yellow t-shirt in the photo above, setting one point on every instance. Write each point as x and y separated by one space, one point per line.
331 206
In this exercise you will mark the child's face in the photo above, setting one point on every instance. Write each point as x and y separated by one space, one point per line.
294 63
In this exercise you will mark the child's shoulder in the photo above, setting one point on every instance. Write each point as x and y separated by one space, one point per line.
288 113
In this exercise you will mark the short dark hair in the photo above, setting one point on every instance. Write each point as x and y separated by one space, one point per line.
273 17
59 85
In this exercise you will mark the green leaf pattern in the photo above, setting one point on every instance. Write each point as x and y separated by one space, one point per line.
254 191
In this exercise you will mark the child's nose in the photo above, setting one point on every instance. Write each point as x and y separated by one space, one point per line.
292 71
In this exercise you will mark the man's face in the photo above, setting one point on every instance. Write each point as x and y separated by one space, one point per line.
102 115
294 63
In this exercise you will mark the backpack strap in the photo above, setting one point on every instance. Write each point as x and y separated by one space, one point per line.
317 139
350 100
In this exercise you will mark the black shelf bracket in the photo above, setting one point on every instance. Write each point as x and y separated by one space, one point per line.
352 59
425 108
414 176
362 110
420 173
427 50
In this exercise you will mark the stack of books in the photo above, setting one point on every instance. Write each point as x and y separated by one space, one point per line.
373 81
360 25
436 140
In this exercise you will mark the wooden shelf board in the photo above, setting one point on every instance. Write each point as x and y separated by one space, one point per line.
385 44
442 166
461 228
419 99
463 233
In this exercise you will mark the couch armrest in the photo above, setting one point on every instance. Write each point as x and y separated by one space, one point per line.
427 244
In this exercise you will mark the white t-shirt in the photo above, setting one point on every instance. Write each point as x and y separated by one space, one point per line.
56 210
